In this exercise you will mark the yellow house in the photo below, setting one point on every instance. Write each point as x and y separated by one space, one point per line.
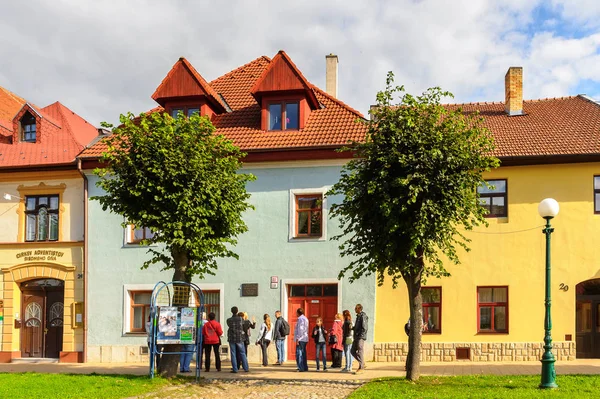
492 306
41 230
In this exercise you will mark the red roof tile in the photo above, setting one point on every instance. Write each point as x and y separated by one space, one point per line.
63 134
334 124
553 126
563 126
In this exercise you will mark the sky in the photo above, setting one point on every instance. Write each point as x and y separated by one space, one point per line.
104 58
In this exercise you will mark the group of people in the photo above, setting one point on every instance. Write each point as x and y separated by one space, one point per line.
343 337
238 337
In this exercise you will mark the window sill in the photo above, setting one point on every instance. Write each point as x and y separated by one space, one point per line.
497 219
307 239
137 245
135 334
491 333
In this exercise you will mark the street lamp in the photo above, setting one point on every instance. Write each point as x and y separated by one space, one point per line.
9 197
548 209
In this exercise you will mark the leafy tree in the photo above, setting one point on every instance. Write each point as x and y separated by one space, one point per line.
178 178
409 194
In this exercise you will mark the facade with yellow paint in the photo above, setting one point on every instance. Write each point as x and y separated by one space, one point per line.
491 308
42 231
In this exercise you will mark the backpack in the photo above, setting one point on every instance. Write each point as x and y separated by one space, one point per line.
284 329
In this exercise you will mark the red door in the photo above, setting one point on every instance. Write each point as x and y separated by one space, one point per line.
318 300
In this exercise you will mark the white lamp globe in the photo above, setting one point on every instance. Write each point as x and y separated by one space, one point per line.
548 208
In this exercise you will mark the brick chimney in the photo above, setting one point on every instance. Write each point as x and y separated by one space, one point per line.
331 75
513 90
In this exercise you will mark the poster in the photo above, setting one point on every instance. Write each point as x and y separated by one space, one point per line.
176 325
187 328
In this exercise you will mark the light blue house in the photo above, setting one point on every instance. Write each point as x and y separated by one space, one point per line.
290 129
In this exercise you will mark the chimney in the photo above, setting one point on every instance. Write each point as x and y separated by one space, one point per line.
331 75
513 90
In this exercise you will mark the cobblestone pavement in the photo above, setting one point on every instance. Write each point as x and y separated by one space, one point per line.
258 389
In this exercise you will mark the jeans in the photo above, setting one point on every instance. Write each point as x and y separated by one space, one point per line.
185 358
207 349
348 357
301 360
358 350
236 349
322 350
280 345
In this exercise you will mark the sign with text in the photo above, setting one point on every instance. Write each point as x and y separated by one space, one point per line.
39 255
250 289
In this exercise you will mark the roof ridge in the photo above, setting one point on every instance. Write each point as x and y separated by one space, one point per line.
337 100
263 57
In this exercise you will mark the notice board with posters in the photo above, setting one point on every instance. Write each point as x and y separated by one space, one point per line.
176 325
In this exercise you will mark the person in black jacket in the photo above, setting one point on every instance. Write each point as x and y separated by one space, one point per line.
246 326
320 337
360 335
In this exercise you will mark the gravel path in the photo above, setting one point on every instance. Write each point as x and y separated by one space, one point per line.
258 389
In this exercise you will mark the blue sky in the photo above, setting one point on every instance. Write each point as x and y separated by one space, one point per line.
106 58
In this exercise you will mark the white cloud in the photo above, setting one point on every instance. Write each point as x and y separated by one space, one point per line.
105 58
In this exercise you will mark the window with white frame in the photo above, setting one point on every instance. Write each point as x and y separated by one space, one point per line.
308 214
135 235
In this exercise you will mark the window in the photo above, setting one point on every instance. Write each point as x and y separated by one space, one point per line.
492 308
140 310
432 309
596 194
212 303
28 128
136 235
309 215
313 290
284 116
493 198
187 111
41 218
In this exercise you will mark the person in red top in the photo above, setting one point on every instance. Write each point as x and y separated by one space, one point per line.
211 339
337 347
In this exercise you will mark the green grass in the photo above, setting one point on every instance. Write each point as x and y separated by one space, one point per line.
480 386
36 385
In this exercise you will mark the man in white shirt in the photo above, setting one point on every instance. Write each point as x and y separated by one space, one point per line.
301 339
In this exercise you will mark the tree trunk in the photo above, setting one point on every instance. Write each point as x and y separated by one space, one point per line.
413 283
169 363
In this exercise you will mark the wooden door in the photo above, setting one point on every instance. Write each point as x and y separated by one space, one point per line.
588 326
54 323
32 327
322 304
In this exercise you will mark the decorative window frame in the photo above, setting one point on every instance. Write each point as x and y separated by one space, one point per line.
292 214
40 189
127 288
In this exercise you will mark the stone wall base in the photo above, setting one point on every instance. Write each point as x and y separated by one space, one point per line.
477 351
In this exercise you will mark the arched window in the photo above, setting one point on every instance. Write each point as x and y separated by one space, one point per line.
28 128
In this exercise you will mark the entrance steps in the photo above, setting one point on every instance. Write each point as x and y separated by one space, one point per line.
29 360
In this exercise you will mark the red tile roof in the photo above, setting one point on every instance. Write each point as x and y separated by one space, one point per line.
334 124
63 134
550 127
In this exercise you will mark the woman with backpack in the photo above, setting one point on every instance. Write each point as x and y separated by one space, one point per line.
347 332
336 341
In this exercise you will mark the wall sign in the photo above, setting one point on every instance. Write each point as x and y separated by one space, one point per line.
250 289
39 255
274 282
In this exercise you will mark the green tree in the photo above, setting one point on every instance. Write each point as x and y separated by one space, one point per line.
410 193
178 178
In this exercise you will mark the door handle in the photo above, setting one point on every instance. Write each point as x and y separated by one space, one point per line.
45 331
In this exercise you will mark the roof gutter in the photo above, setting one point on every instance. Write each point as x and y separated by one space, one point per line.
85 259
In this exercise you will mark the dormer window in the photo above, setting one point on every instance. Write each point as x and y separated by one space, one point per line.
187 111
284 116
28 128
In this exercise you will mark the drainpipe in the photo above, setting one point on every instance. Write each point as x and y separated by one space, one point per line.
85 259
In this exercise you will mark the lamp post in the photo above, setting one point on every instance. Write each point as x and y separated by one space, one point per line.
548 209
